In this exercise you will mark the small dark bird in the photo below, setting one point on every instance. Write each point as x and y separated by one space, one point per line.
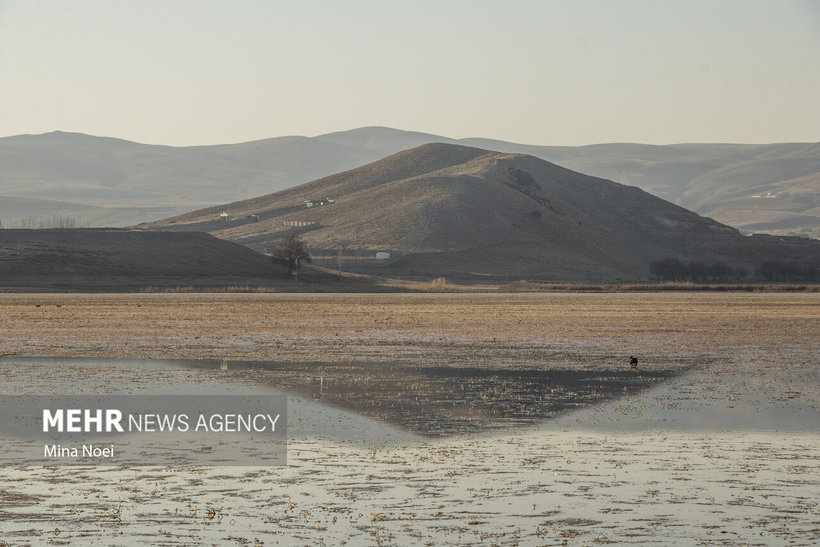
633 361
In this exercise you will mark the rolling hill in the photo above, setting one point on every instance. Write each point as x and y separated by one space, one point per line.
108 181
111 259
98 181
467 213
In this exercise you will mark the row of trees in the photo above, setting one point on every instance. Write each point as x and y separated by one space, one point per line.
779 270
672 269
292 252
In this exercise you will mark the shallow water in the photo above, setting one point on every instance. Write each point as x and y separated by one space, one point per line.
437 401
390 403
358 473
431 401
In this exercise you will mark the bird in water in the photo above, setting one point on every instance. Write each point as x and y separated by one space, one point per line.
633 361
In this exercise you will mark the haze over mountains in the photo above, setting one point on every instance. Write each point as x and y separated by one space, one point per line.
467 213
103 181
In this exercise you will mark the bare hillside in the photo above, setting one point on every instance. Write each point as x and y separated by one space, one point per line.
772 188
127 259
449 210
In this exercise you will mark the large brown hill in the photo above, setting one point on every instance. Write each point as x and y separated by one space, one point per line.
455 211
47 180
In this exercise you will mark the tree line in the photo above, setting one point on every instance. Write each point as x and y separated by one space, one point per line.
781 270
672 269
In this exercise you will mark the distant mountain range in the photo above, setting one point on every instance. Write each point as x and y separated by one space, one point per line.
466 213
104 181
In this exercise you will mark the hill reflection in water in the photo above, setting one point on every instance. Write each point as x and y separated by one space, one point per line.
441 401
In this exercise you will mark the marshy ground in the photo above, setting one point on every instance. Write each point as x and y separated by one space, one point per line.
428 419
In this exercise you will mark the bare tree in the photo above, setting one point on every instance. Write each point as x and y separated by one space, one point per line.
291 251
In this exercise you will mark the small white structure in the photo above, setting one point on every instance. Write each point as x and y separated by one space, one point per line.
224 216
381 255
318 202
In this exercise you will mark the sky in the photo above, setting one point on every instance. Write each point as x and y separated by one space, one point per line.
550 72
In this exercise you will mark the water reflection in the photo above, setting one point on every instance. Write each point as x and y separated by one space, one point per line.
440 401
432 401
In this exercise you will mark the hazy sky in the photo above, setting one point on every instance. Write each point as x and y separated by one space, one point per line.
534 71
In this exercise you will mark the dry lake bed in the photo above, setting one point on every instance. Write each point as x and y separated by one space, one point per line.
432 419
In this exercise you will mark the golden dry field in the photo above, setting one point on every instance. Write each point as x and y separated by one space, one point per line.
455 329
